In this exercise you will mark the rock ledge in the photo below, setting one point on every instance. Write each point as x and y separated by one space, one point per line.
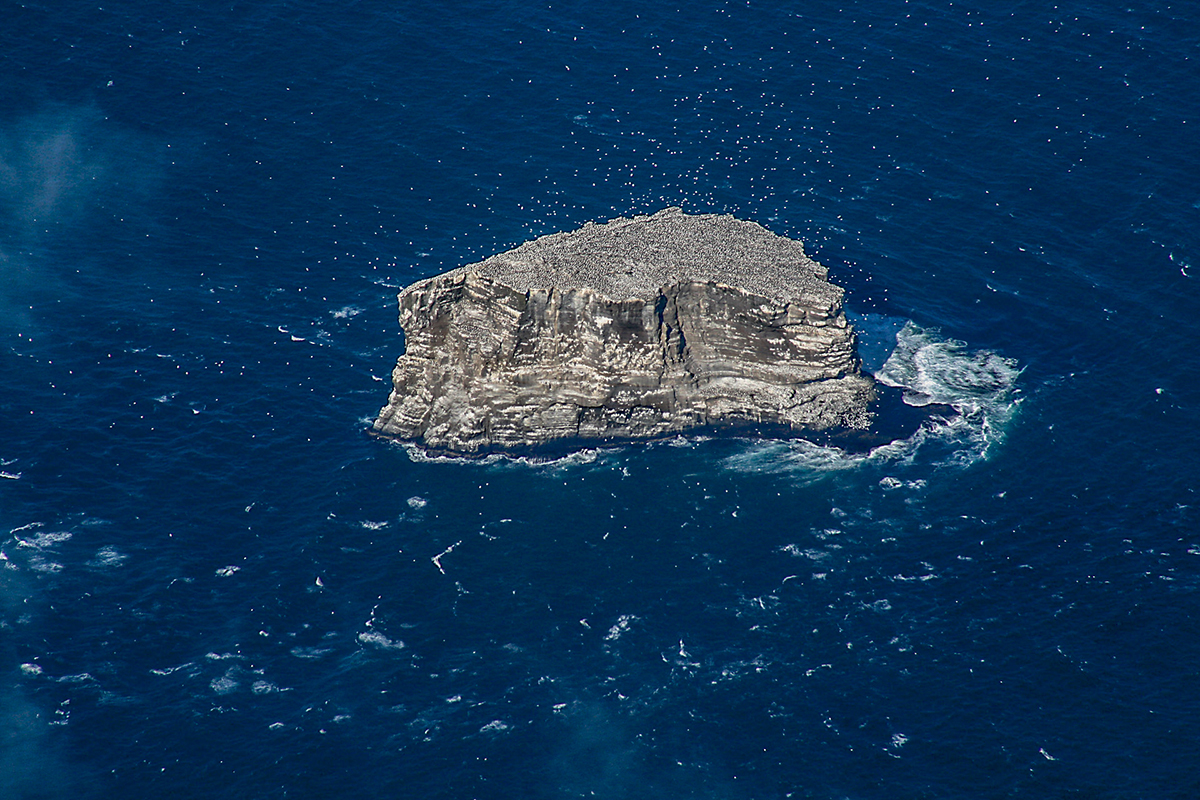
631 329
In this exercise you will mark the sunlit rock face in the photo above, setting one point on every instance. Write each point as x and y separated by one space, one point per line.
631 329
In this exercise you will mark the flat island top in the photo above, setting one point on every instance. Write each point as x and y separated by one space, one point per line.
626 258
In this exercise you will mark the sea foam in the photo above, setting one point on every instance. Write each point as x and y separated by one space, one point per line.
972 396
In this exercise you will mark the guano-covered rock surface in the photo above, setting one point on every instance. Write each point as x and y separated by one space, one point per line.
635 328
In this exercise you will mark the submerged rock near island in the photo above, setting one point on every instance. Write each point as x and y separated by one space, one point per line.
635 328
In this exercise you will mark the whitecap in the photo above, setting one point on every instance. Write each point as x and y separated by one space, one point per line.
379 640
31 669
225 572
171 670
495 726
108 556
223 685
265 687
310 652
82 677
621 626
417 502
39 564
43 540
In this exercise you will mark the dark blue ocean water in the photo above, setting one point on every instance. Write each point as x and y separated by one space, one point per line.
213 583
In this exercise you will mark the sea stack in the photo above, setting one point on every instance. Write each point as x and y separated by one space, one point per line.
631 329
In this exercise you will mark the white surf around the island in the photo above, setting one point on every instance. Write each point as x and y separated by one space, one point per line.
972 395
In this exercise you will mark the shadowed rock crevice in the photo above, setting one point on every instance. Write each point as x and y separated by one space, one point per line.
636 328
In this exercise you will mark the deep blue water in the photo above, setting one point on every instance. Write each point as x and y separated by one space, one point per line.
213 583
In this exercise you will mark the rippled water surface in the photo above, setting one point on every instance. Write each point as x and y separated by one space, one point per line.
213 583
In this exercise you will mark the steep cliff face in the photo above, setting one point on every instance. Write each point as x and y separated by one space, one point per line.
637 328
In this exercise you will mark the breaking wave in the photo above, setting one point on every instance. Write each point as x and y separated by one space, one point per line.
932 370
979 385
971 396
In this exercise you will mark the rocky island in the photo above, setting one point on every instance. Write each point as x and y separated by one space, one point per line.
631 329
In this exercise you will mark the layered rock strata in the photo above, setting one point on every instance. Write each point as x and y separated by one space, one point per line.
631 329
